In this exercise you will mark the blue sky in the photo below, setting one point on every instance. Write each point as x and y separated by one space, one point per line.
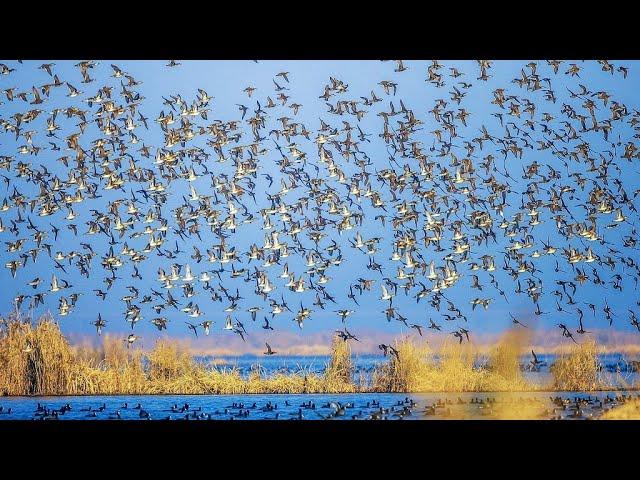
224 81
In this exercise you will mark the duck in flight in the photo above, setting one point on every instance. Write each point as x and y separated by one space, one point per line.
134 189
269 350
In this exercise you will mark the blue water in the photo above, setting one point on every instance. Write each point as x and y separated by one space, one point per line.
359 406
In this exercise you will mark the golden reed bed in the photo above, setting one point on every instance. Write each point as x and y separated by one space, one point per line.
36 359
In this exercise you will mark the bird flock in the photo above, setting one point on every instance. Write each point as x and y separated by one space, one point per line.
488 197
472 406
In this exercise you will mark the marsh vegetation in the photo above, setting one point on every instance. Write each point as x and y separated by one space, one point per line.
37 359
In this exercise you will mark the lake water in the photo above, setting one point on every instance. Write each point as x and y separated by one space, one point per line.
360 406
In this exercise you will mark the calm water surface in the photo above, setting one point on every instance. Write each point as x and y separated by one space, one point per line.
360 406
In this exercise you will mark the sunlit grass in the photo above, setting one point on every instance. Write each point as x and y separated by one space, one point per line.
36 359
577 369
629 410
453 369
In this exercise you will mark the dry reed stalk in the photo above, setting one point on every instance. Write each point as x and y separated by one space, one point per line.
577 369
454 369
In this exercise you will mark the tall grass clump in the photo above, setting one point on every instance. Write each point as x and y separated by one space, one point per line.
172 369
505 372
457 371
454 368
120 370
405 372
168 361
339 372
577 369
34 359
